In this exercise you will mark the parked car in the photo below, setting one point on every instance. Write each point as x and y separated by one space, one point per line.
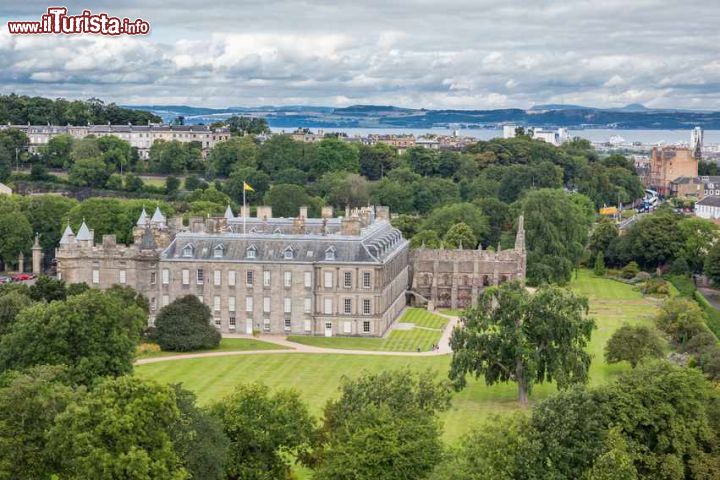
5 279
21 277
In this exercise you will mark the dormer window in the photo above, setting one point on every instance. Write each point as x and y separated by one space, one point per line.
251 252
288 254
330 253
218 251
188 250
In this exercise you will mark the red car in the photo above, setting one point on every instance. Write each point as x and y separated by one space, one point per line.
21 277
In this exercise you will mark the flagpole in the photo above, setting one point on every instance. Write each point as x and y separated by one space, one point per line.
244 209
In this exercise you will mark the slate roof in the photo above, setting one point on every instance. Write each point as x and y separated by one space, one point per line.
84 232
66 235
376 244
709 202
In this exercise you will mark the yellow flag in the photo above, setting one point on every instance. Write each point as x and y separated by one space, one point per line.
247 187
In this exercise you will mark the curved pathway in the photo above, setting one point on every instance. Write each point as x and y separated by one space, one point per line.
292 347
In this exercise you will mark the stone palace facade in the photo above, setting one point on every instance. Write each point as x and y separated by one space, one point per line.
348 275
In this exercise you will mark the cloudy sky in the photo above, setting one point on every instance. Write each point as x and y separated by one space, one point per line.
420 53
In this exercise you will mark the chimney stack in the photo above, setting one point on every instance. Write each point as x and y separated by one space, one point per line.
304 212
326 212
382 213
264 212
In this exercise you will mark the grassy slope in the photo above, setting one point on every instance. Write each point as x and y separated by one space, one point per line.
226 345
317 376
396 341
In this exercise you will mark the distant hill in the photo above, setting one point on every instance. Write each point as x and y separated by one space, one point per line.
634 116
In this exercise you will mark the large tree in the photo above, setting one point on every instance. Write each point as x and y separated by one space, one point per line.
443 218
632 343
383 426
121 429
233 153
93 333
15 236
556 229
184 325
264 429
656 239
513 335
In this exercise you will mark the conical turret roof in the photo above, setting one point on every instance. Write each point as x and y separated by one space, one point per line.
229 213
67 235
143 220
157 217
84 232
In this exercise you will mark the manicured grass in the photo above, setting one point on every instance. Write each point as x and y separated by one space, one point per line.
226 345
317 377
456 312
396 341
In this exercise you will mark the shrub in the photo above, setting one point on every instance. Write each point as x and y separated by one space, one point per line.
630 270
655 286
632 343
683 284
599 268
680 267
146 349
184 325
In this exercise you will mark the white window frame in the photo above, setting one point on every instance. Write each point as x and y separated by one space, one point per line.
122 277
327 306
267 278
231 278
166 276
328 279
287 279
249 304
165 300
367 280
153 278
188 251
186 276
308 280
307 305
366 306
200 276
250 278
347 306
219 251
251 253
347 279
217 277
96 276
231 304
366 326
287 305
216 303
266 304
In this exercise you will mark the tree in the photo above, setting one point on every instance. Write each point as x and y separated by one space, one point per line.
512 335
681 319
286 200
631 343
29 403
556 229
426 239
377 160
342 189
185 325
599 267
383 426
15 236
680 267
247 125
700 235
656 239
712 264
443 218
57 152
396 195
133 183
11 304
172 185
94 334
616 463
199 439
230 154
334 155
121 429
460 235
499 218
89 172
48 289
48 215
602 235
264 428
85 148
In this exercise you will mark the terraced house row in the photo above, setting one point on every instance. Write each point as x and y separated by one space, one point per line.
346 275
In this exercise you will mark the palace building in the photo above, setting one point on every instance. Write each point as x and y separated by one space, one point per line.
346 275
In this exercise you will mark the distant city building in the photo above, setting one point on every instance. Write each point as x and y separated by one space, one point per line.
691 187
668 164
509 131
140 136
708 208
553 137
696 142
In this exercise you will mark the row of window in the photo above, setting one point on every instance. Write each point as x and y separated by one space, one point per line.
328 305
307 324
188 251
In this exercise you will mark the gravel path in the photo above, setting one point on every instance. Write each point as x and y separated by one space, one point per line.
292 347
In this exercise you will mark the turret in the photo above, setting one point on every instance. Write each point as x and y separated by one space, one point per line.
158 219
68 237
229 213
85 236
36 256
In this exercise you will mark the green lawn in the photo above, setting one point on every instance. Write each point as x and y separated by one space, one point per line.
316 377
226 345
396 341
455 312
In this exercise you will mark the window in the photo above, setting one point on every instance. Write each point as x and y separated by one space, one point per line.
187 251
328 306
347 305
218 251
231 304
232 323
287 279
366 306
96 276
201 299
366 280
307 305
266 325
366 327
330 253
251 252
218 322
266 304
288 254
266 278
231 278
307 325
200 276
186 277
248 304
153 304
216 303
348 279
165 276
250 278
347 327
216 277
308 279
165 300
328 279
123 276
287 305
153 278
288 324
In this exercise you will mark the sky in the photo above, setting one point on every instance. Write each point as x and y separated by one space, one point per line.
464 54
